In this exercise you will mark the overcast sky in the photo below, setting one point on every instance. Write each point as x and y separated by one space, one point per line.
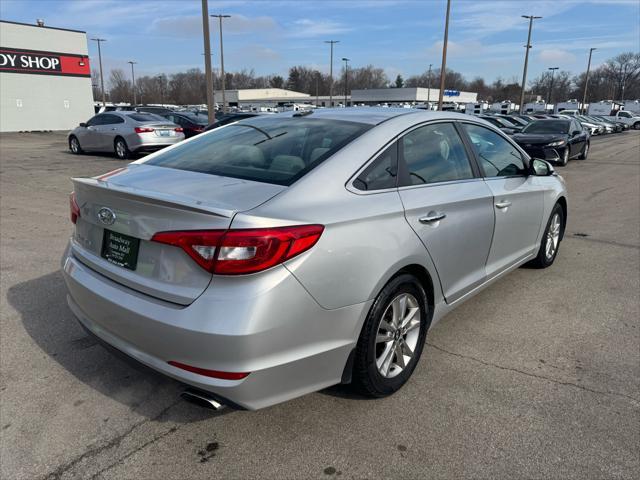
486 38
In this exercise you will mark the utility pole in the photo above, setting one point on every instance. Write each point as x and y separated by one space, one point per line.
224 99
526 60
99 41
331 42
160 79
317 82
429 87
443 68
553 70
211 110
346 79
133 82
586 82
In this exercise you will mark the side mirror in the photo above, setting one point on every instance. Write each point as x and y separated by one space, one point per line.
540 168
575 132
84 125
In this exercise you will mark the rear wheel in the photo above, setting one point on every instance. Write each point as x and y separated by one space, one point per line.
74 145
636 126
585 152
121 148
392 337
550 243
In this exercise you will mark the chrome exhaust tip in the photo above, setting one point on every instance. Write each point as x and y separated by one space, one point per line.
201 399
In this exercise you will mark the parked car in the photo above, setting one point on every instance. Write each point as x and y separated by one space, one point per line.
191 123
152 109
505 125
225 119
610 125
287 253
520 122
610 119
594 128
124 133
630 118
554 140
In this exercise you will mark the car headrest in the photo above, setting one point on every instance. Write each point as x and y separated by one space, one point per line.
287 163
316 153
247 155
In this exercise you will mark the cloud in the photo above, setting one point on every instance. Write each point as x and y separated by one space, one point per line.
306 27
190 26
556 56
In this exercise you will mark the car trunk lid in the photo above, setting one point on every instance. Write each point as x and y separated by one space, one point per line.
124 209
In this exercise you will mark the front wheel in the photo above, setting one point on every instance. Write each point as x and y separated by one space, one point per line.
636 126
585 152
565 157
122 149
74 146
550 243
392 337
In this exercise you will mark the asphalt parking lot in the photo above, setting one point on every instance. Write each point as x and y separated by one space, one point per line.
536 377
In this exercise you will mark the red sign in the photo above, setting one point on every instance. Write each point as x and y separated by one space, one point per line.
18 60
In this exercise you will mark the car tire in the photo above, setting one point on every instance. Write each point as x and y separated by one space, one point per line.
550 243
585 152
565 157
121 148
381 367
636 126
74 145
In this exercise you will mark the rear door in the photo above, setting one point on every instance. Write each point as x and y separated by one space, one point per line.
447 204
517 198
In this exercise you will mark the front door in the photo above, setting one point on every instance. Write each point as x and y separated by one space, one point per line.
517 198
448 206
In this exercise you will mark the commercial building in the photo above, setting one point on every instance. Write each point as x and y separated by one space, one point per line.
416 95
45 78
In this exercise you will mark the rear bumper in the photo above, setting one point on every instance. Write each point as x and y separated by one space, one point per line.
138 143
266 324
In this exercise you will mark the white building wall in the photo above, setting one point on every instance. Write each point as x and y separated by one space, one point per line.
43 102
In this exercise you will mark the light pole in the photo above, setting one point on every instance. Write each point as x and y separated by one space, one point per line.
346 79
211 111
586 82
553 70
159 77
224 99
443 68
526 60
317 83
429 87
331 42
133 82
99 41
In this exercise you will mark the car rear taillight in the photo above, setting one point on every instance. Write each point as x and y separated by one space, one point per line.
73 207
179 129
198 129
237 252
143 129
209 373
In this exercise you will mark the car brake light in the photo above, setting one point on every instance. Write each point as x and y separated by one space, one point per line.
73 206
143 129
237 252
209 373
179 129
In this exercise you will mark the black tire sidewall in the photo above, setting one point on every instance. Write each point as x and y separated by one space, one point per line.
542 256
375 383
565 156
77 142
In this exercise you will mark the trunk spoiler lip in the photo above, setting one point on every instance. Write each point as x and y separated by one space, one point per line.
156 198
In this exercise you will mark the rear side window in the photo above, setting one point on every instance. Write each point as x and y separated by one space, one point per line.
273 150
434 153
110 119
382 173
497 157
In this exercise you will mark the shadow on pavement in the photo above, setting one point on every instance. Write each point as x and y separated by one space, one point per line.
42 305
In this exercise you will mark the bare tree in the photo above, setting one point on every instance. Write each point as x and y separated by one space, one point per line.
119 86
624 70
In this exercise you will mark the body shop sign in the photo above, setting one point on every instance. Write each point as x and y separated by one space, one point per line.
17 60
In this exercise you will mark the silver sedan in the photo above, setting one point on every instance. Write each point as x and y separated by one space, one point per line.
124 133
283 254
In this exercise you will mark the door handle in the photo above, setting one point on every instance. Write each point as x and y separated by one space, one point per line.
114 129
432 217
503 204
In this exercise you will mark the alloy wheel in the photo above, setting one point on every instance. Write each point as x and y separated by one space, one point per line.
121 149
75 146
553 237
397 335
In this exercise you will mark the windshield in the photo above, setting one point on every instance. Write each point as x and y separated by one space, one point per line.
547 126
273 150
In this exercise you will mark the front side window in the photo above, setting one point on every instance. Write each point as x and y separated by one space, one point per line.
382 173
624 114
264 149
497 157
111 119
434 153
94 121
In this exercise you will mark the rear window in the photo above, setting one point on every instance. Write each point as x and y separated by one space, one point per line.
272 150
146 117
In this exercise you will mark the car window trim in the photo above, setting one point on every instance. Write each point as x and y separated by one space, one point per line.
526 159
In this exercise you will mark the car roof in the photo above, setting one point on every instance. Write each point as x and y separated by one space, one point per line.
372 115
